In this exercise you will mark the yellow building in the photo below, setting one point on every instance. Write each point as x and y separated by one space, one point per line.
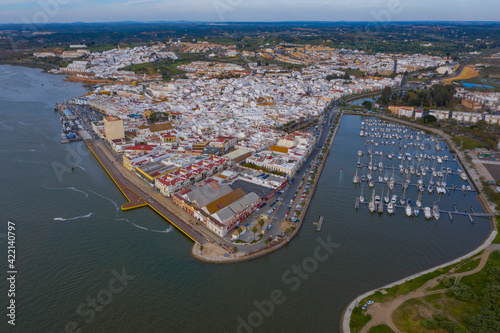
113 128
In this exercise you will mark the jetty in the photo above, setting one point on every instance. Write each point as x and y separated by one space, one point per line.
319 223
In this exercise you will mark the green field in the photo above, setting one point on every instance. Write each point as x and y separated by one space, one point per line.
381 329
467 143
154 68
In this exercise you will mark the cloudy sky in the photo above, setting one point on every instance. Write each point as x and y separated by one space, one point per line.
41 11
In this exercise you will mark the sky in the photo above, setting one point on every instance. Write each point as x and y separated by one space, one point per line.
64 11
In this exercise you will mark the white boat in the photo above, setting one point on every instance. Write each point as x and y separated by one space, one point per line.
361 199
408 210
439 160
416 211
427 213
394 198
390 208
463 176
435 211
418 203
355 180
371 206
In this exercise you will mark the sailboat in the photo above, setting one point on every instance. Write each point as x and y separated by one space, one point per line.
371 205
386 198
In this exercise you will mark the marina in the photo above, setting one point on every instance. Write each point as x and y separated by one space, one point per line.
398 162
71 127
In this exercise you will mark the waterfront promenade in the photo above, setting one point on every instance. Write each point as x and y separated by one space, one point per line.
136 197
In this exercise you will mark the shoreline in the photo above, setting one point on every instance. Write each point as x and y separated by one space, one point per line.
41 65
346 314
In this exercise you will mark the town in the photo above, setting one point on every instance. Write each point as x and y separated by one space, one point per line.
223 140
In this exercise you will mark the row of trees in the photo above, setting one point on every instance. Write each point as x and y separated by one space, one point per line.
261 168
437 96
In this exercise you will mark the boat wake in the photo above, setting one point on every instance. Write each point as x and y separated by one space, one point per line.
144 228
68 188
114 203
79 166
73 218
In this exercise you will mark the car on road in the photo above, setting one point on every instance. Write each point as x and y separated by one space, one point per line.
269 227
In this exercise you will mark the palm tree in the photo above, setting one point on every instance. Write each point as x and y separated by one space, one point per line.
201 249
261 222
254 230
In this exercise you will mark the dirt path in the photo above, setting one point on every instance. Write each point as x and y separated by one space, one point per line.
382 312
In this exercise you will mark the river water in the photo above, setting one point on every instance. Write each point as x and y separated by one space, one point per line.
73 240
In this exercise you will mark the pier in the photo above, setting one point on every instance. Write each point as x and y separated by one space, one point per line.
450 213
319 223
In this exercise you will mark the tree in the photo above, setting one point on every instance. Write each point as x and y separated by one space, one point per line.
254 230
386 95
367 104
201 249
261 221
429 119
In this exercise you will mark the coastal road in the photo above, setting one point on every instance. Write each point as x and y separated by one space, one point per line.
289 190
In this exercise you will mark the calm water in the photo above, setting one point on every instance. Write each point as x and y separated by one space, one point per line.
71 235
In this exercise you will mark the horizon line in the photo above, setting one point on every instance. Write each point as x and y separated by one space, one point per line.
255 22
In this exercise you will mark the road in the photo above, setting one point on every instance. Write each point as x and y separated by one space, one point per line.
290 190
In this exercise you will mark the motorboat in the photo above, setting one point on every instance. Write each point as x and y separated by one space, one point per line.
408 210
427 213
390 208
435 211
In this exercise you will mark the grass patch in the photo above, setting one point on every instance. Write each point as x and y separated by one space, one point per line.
406 287
497 238
478 280
407 317
450 306
468 266
154 68
445 283
467 143
381 329
358 319
107 47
